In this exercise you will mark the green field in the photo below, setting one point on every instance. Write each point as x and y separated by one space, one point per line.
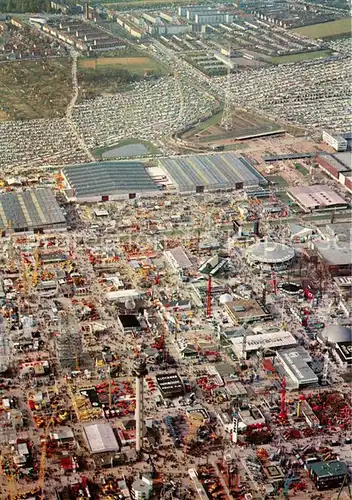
110 75
213 120
277 179
127 142
301 169
144 3
325 30
302 56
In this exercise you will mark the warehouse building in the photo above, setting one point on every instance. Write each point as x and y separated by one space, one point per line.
336 255
101 438
178 259
94 182
33 210
267 340
211 172
317 197
338 166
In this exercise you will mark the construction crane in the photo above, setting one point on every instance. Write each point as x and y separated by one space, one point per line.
10 480
209 289
11 247
199 230
244 339
325 374
36 267
274 282
288 481
43 457
26 281
346 482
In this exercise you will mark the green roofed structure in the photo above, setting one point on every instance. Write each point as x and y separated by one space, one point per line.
328 475
33 210
109 180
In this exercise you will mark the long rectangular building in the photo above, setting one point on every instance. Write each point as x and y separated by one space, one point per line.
32 210
105 181
210 172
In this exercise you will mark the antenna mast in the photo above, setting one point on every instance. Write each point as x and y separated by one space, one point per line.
324 379
226 120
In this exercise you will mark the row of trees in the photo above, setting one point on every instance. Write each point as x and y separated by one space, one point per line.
24 6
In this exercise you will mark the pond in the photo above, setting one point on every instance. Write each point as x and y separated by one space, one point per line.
135 149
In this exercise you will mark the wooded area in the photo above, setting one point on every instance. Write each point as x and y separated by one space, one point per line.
24 6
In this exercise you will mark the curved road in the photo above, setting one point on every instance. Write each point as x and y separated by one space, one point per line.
71 105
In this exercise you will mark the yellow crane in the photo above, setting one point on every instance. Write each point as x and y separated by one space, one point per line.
11 247
10 480
36 267
43 457
25 277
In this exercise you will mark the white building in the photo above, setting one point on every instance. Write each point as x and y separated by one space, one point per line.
178 258
295 363
336 141
267 340
142 488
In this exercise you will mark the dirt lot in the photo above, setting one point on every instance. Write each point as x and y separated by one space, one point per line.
138 64
113 61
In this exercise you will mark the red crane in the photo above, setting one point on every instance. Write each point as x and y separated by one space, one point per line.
274 282
283 407
208 311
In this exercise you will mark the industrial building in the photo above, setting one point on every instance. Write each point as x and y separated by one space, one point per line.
100 438
270 255
33 210
94 182
243 310
170 385
336 255
295 362
178 259
338 166
316 197
266 340
211 172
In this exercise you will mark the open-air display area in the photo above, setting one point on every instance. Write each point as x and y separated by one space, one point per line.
175 250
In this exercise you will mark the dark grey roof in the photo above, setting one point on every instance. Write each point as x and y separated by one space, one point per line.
30 209
108 178
215 171
289 156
